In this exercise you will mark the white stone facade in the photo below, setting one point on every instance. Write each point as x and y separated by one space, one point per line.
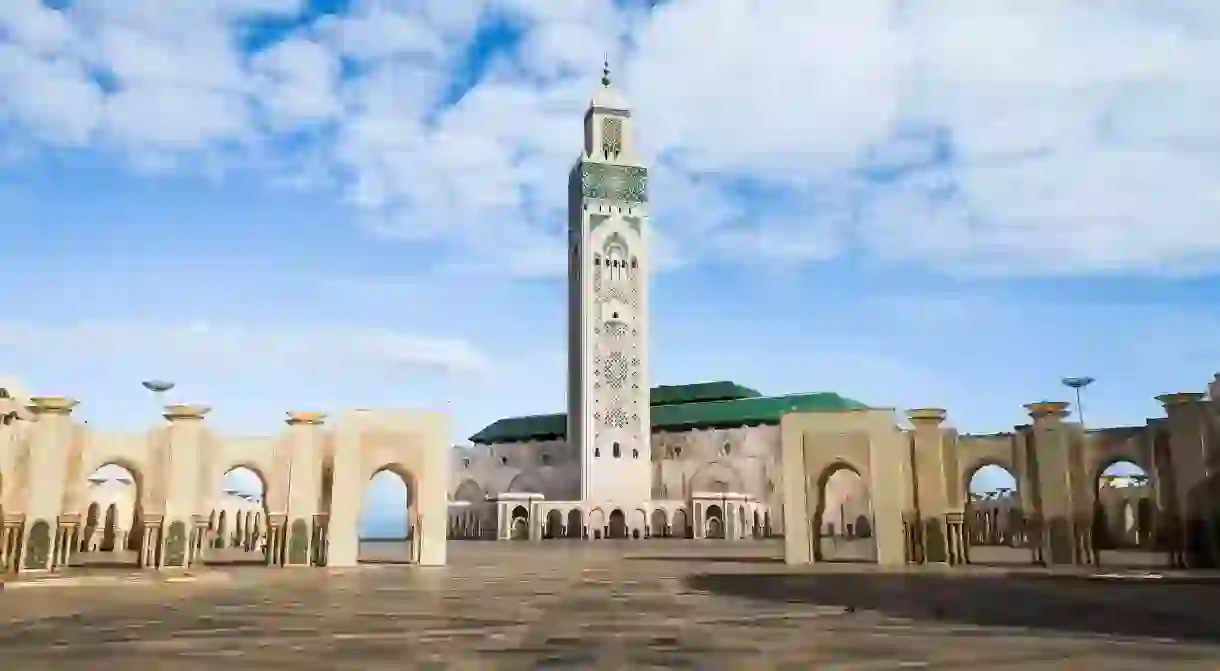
608 385
492 485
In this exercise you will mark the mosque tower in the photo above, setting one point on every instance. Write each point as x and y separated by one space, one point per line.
608 411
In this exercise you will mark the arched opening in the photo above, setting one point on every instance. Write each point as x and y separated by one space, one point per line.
236 532
112 533
713 522
678 526
758 526
388 518
597 522
994 519
1124 521
845 501
658 526
554 524
519 524
617 527
576 526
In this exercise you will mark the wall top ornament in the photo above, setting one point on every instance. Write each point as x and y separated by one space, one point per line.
183 411
310 417
1047 409
53 404
1181 398
627 183
936 415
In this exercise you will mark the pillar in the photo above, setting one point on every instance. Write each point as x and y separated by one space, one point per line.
1190 463
934 479
303 486
47 475
183 465
1059 486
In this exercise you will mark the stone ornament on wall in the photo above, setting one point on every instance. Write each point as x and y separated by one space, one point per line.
38 556
612 136
626 183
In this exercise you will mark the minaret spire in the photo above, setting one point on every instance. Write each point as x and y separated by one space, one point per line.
606 71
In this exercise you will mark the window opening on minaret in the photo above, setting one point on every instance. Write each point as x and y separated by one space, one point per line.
635 454
618 451
726 449
504 461
634 263
597 452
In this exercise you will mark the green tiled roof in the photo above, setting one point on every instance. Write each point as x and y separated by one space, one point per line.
699 392
679 416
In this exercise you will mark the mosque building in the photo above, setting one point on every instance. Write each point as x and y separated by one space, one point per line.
627 460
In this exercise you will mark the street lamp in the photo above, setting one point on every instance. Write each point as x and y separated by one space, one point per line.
158 388
1078 383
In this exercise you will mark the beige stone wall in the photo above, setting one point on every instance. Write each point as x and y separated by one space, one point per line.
313 476
742 460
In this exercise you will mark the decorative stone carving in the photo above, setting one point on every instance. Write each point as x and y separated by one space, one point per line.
627 183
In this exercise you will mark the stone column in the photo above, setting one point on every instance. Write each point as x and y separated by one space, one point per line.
1056 473
304 484
934 462
184 470
47 476
1194 477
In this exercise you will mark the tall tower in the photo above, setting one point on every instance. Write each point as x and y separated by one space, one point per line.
608 419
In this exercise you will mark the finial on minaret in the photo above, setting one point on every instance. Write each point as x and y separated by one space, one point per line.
606 71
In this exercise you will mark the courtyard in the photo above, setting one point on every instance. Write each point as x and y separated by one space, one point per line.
606 605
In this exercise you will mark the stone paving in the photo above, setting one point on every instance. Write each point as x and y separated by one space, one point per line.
612 605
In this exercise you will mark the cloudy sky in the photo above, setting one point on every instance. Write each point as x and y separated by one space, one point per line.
291 204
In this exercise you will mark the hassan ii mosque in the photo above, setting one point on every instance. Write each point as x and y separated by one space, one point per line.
626 461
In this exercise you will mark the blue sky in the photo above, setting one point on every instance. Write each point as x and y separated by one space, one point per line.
283 205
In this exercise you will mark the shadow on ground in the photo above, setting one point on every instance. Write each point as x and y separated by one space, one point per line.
704 558
1152 609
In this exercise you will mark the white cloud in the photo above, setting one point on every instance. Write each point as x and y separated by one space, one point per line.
1081 135
237 346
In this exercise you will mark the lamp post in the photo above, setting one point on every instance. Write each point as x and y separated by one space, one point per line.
1078 383
158 388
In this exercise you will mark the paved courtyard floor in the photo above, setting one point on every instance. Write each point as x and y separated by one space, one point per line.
615 605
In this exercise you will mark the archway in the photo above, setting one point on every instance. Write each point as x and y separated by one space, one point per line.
236 532
597 523
617 527
113 518
554 524
519 524
387 521
713 522
1124 520
678 526
845 500
657 526
994 521
576 528
758 525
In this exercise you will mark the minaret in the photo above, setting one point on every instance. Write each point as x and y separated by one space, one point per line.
608 418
